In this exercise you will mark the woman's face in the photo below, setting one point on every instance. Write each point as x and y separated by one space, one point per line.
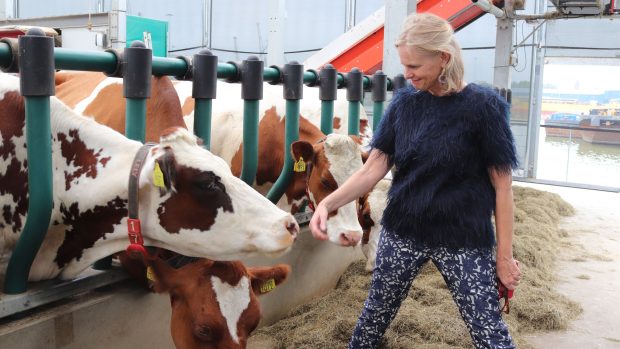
423 69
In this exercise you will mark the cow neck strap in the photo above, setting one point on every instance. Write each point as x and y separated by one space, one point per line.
134 231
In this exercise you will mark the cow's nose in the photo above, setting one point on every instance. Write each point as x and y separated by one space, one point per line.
350 238
292 227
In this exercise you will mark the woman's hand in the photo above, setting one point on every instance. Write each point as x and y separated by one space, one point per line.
508 272
318 223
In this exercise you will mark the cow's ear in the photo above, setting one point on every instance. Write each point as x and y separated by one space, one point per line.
365 155
161 276
302 149
164 171
265 279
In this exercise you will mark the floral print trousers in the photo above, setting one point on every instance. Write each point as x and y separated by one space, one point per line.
468 272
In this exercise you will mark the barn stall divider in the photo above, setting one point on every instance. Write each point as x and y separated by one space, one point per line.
36 59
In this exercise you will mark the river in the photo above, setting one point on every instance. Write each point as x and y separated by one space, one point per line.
577 161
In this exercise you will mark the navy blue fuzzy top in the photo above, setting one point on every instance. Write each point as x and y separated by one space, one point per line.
442 147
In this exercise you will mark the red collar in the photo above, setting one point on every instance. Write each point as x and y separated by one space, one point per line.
134 230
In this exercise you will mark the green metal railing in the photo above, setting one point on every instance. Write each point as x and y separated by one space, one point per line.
40 194
36 85
111 62
291 134
250 141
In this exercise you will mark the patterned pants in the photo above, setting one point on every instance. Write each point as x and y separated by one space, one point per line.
469 274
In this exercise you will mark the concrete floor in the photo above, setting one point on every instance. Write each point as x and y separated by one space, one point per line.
590 277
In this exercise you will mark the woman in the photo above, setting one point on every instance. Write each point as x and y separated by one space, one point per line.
453 151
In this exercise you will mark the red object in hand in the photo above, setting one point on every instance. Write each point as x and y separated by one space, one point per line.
506 294
503 291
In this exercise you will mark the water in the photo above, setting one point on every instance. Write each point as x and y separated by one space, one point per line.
577 161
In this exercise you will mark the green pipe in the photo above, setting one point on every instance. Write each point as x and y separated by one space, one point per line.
169 66
354 118
310 77
271 74
135 118
327 117
226 71
202 120
5 54
339 80
366 82
377 112
84 60
291 134
250 141
40 199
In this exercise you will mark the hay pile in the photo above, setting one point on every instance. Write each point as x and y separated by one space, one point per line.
428 318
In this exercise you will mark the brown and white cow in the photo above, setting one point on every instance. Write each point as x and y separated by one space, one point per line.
95 95
214 304
317 266
371 208
332 158
91 164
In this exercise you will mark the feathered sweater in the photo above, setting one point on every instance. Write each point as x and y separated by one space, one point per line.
442 148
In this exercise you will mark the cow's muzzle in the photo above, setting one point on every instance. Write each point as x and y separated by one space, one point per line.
350 238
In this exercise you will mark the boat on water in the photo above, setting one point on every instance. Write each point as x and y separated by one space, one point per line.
600 126
601 129
564 124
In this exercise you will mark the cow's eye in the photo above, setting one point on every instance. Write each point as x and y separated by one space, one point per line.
206 186
327 184
204 333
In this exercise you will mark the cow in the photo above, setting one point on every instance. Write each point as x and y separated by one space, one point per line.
100 97
190 212
95 95
370 210
214 303
330 158
317 266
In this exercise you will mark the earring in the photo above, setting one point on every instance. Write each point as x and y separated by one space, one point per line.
442 77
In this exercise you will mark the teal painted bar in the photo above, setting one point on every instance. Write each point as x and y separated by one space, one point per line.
250 141
310 77
226 70
135 118
327 117
354 118
366 82
168 66
203 108
271 74
291 135
5 54
377 113
40 190
70 59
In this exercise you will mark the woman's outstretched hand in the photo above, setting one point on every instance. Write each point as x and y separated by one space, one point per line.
508 272
318 223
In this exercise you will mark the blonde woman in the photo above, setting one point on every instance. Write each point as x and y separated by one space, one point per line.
454 153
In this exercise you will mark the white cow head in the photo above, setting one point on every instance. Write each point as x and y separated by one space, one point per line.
330 163
204 209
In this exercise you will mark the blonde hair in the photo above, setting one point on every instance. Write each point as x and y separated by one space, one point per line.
431 34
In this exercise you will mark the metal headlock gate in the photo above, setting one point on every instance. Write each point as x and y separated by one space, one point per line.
36 58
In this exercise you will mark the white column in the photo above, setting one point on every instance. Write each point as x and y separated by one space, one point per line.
503 54
118 24
275 25
8 9
396 11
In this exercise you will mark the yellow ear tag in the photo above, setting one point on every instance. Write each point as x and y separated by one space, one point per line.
149 274
158 177
268 286
300 165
